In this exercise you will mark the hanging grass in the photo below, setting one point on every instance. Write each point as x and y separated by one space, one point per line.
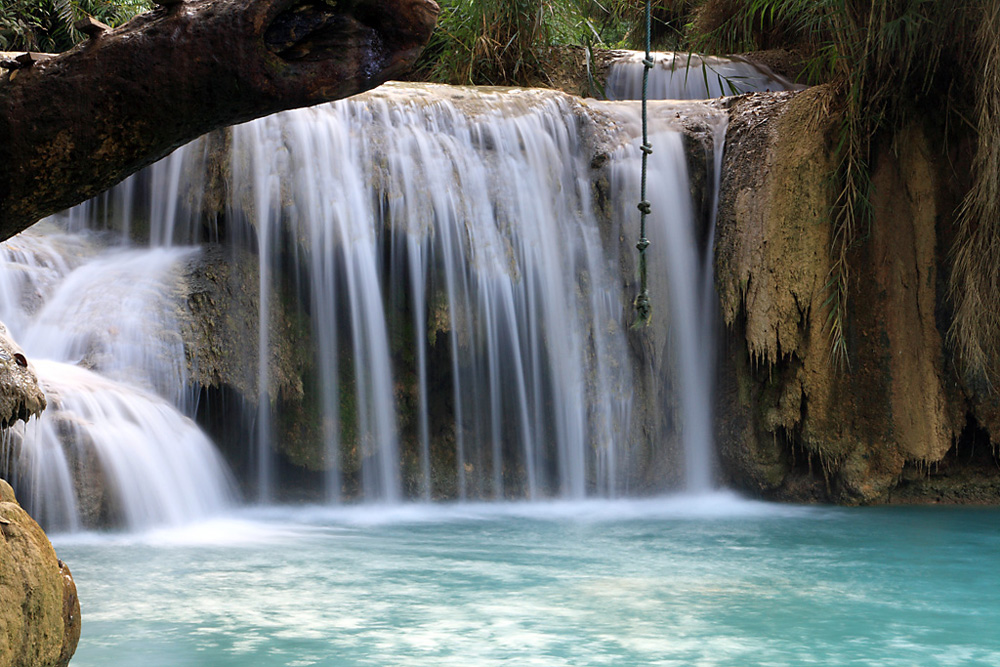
975 279
885 60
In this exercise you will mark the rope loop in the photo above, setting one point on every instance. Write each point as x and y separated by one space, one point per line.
643 307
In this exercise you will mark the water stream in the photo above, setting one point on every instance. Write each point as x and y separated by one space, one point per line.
102 329
690 76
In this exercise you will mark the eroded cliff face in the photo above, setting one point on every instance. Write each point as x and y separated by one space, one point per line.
39 610
893 425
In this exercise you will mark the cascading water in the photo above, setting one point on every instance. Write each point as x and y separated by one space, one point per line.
102 329
461 266
676 246
684 287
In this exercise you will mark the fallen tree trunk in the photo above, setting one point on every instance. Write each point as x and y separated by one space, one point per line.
74 125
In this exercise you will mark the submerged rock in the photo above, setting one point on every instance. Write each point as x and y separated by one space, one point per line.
39 610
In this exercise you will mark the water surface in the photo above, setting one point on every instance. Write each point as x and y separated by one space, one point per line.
711 581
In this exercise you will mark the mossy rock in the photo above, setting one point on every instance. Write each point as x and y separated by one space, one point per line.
39 609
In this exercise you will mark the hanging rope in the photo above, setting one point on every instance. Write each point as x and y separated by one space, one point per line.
642 305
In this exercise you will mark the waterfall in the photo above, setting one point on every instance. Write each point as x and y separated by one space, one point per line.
690 76
462 263
470 214
486 211
688 261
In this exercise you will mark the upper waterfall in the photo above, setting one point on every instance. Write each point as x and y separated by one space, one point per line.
690 76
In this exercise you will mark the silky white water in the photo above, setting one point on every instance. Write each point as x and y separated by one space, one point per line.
445 235
486 212
467 216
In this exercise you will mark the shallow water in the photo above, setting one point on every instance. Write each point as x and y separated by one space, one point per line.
707 581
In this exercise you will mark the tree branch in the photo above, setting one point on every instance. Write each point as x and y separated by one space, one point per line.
74 125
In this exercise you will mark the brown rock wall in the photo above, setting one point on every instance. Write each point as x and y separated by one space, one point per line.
793 424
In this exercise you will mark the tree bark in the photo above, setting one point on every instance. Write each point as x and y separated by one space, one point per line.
74 125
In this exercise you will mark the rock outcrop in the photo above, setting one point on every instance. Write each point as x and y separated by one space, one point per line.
793 425
20 395
39 610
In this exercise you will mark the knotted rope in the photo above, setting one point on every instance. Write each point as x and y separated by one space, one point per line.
642 305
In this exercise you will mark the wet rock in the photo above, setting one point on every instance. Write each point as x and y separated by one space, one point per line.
221 325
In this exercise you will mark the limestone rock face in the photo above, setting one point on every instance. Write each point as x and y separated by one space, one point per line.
20 395
39 609
220 332
794 424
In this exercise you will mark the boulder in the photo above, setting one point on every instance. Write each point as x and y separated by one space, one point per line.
39 609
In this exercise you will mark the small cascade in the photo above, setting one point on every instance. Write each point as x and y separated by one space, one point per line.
115 314
102 327
690 264
146 463
689 76
682 286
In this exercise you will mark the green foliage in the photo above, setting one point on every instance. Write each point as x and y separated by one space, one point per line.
505 42
47 25
489 41
622 23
